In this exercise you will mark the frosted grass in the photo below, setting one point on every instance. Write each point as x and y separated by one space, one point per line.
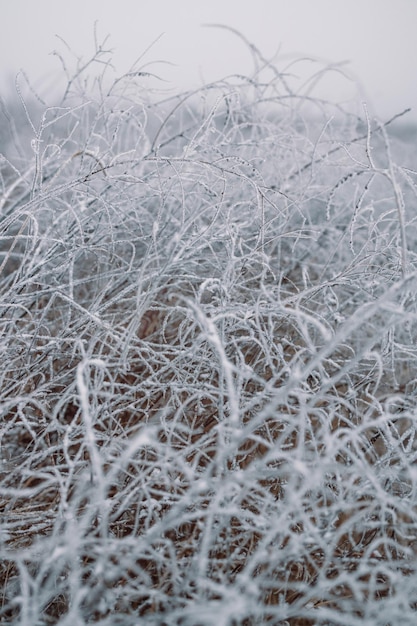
208 331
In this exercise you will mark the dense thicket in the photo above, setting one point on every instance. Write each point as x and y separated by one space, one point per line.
208 340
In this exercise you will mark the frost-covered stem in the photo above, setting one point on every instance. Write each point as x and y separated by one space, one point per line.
227 367
97 476
399 201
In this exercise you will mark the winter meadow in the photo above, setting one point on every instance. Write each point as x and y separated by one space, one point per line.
208 354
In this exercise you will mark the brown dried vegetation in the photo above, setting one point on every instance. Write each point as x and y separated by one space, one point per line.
207 389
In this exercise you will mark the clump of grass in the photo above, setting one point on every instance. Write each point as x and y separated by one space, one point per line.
208 331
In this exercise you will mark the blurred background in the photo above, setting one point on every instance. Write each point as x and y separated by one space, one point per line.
374 40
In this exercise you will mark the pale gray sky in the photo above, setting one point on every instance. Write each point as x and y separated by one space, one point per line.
376 36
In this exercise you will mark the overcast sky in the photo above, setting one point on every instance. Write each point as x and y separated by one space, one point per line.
377 37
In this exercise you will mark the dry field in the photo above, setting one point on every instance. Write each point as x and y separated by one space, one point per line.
208 358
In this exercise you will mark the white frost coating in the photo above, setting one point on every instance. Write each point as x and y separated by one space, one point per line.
208 341
90 438
228 368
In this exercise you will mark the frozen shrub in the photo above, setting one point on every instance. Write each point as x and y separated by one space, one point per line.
208 338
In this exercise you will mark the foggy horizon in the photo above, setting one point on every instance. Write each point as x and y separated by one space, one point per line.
372 43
